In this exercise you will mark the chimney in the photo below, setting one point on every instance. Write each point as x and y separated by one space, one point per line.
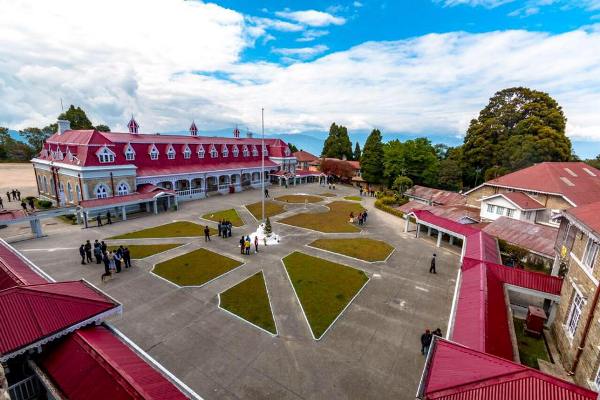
63 126
249 134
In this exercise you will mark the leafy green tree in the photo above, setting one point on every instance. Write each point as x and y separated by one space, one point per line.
36 136
416 159
402 184
495 172
268 229
594 162
337 144
371 162
77 117
357 152
518 127
293 148
12 150
102 128
450 169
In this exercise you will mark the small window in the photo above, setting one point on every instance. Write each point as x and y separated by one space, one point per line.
235 151
101 192
213 152
510 212
187 153
574 314
201 153
122 189
129 154
254 151
499 210
171 153
245 151
154 153
106 156
265 151
69 192
590 253
225 151
490 208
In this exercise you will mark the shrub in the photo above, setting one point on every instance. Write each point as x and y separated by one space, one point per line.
379 204
44 204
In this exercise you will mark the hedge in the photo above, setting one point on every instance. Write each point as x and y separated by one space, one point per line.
380 204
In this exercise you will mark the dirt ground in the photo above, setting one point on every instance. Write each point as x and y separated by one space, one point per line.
17 176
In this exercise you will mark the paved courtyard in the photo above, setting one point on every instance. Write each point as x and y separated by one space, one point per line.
372 351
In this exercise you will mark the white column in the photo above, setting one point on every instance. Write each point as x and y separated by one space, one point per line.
428 231
168 202
439 239
123 214
155 207
555 266
451 240
406 224
418 230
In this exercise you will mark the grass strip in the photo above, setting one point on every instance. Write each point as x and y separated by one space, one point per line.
362 248
230 215
174 229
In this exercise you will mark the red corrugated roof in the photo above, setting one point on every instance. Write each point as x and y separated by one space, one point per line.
93 364
444 223
588 215
459 373
31 314
535 237
577 181
437 196
145 171
304 156
523 201
14 270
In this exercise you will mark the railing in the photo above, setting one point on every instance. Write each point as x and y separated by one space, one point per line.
27 389
189 192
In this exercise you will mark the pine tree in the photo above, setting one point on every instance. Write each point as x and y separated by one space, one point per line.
371 162
77 118
337 144
357 152
268 229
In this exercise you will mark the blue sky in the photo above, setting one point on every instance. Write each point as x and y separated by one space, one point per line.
418 67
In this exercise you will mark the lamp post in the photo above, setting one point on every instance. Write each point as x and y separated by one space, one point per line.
263 162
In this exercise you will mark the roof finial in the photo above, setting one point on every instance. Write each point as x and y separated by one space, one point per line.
236 132
193 129
133 125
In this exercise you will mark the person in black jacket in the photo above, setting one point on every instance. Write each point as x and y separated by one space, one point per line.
426 342
127 257
82 253
432 268
88 251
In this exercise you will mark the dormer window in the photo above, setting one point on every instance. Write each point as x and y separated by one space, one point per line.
213 152
201 152
287 151
129 153
44 153
105 155
153 153
225 151
245 151
187 153
171 153
235 151
69 155
265 151
254 151
58 154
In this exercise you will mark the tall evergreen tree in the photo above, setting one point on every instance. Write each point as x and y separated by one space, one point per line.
77 118
357 152
337 144
371 162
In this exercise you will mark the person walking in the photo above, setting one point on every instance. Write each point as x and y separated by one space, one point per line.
88 251
432 268
97 252
108 218
24 206
248 245
99 220
82 253
266 193
206 234
118 258
256 244
127 257
8 196
106 261
365 217
18 195
426 342
242 244
31 203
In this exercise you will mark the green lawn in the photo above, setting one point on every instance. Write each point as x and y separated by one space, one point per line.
230 215
142 250
530 349
299 198
174 229
328 194
332 221
271 208
361 248
353 198
323 287
249 300
195 268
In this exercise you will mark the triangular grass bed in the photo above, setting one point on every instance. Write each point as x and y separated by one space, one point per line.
324 288
271 208
195 268
230 215
299 198
335 220
249 300
174 229
139 251
362 248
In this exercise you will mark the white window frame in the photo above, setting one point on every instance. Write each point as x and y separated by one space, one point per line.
590 254
101 194
254 151
225 151
265 151
490 208
510 212
105 155
171 153
129 153
213 152
69 192
245 151
201 152
235 151
574 315
154 153
122 189
187 153
499 210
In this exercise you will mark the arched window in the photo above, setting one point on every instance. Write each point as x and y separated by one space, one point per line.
45 185
245 151
129 153
101 191
235 151
265 151
254 151
122 189
78 190
171 153
187 153
69 192
213 152
225 151
153 153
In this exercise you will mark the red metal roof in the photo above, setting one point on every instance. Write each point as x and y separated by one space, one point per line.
159 170
444 223
14 269
577 181
455 372
588 215
535 237
304 156
37 313
521 200
454 212
436 196
93 364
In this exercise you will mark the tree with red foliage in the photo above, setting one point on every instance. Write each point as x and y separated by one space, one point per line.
339 168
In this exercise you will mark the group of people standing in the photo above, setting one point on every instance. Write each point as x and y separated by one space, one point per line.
366 192
361 218
113 260
427 338
246 245
15 195
224 227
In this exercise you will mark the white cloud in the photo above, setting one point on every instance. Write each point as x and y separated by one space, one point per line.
302 53
531 6
275 24
474 3
178 61
311 17
311 34
357 4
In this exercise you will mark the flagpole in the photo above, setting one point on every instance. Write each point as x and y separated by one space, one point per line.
262 150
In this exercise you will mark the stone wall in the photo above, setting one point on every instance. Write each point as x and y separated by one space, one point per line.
576 277
3 385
